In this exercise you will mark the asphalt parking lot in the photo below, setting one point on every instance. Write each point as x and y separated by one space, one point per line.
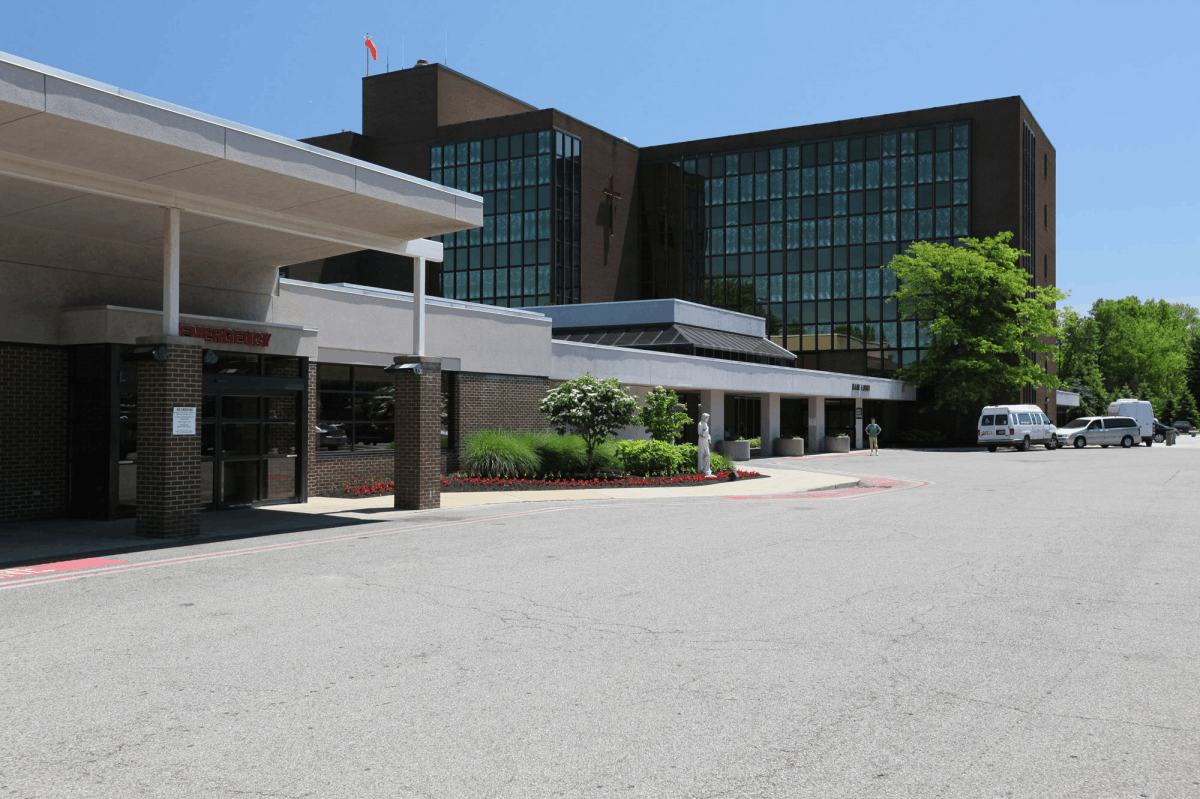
992 625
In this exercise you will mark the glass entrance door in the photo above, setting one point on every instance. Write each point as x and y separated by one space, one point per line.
250 447
251 443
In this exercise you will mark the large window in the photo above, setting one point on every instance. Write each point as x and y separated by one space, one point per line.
354 409
797 233
527 252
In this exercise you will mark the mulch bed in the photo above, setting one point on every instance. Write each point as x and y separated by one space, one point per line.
464 484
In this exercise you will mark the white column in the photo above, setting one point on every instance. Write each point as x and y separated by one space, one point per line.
170 315
418 306
712 402
816 424
858 423
769 423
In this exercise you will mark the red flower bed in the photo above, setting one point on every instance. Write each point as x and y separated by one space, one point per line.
359 488
470 481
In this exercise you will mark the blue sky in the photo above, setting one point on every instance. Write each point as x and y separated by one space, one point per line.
1113 85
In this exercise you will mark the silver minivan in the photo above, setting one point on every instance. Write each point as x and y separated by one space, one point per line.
1104 431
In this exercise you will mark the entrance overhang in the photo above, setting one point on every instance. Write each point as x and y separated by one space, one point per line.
70 146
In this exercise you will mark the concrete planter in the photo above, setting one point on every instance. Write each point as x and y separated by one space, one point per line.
734 450
789 447
837 443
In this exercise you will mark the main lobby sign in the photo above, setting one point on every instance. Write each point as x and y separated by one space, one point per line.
225 335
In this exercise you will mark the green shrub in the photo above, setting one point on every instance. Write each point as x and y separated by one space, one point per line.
689 455
501 451
756 442
644 457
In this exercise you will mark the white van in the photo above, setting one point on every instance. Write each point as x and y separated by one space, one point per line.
1016 426
1140 411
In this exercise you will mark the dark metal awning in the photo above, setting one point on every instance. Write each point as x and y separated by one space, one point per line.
674 336
732 342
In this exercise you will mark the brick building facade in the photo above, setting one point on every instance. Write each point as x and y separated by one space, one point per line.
34 464
651 222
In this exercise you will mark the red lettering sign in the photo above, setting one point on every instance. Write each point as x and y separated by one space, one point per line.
217 335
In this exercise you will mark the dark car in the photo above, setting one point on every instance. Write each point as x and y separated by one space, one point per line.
1184 426
1160 432
331 436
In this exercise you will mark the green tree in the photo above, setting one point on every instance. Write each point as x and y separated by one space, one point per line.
592 408
984 319
1192 377
1143 345
1185 409
1078 362
659 416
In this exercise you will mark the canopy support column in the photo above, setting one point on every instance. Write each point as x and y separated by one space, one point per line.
419 306
170 315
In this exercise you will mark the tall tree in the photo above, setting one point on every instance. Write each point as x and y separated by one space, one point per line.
1142 345
984 316
590 407
1079 365
659 416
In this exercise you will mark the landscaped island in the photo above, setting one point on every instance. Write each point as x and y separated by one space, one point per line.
584 413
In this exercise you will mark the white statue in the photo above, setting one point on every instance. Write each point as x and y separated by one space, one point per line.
705 441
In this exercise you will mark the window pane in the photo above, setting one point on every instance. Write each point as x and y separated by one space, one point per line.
281 478
334 407
240 439
943 166
961 161
281 438
241 481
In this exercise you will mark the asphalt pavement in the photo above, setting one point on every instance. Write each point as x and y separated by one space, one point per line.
965 625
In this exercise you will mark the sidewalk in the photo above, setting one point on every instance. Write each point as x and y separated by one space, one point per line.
27 543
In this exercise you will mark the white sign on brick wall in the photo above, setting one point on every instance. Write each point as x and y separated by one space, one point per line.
183 422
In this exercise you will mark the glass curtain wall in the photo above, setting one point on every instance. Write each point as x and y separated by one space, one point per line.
527 252
797 233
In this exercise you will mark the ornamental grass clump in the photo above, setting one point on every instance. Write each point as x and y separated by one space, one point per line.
502 452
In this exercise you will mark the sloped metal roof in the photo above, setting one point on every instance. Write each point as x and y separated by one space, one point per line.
659 337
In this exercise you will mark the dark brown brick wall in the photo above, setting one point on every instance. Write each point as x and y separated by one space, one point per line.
168 486
402 111
509 402
33 432
1044 223
418 454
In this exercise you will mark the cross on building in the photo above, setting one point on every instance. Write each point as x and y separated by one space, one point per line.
613 196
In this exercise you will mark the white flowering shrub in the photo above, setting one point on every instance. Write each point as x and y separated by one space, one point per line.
593 409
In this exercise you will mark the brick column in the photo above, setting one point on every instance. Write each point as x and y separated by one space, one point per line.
418 409
168 466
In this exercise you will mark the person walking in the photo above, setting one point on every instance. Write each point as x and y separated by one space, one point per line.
873 431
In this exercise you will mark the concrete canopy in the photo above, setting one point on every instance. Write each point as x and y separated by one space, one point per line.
99 163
